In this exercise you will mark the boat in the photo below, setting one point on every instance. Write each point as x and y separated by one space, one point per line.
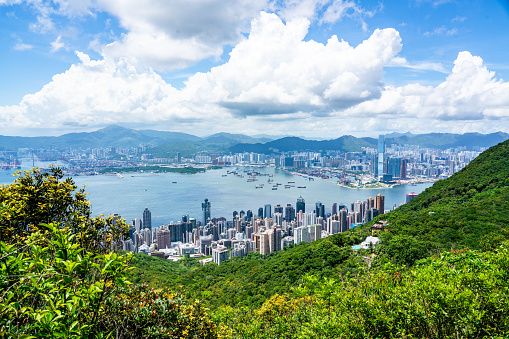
301 186
259 186
274 188
174 182
291 182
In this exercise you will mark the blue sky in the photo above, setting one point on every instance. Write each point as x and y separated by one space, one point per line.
320 68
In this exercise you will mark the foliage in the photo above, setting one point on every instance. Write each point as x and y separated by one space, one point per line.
63 279
461 294
39 196
52 288
251 280
469 209
142 312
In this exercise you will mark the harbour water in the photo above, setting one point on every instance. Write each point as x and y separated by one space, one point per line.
170 195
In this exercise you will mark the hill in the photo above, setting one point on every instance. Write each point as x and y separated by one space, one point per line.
350 143
346 143
467 210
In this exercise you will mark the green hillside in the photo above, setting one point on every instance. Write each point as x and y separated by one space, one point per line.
65 279
467 210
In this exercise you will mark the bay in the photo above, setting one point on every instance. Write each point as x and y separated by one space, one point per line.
169 196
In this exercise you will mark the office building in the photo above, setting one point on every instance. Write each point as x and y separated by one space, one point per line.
301 205
380 203
381 155
147 219
289 212
205 206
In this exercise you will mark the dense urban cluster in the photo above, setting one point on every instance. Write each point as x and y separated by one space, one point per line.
267 230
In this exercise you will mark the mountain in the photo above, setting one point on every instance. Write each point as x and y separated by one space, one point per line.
113 135
349 143
346 143
448 140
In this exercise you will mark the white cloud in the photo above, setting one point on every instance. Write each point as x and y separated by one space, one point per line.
20 46
168 35
276 71
274 81
57 44
440 31
470 92
322 11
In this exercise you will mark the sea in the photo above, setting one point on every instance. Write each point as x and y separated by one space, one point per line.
169 196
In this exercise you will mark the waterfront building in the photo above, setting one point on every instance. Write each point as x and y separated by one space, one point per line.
301 205
381 154
147 219
205 206
380 203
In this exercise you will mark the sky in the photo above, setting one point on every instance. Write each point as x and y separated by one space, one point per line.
310 68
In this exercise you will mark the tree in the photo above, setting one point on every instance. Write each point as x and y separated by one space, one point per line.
39 196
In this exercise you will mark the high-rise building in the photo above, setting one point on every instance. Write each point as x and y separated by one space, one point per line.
260 212
278 209
267 211
410 196
289 212
137 224
334 208
403 168
381 154
219 254
205 206
163 239
380 203
301 205
147 219
319 210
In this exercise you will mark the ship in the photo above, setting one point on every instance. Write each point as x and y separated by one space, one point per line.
301 186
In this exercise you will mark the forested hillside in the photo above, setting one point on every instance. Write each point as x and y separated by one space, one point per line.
61 274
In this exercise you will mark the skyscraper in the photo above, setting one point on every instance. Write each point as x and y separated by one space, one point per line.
381 154
260 212
267 211
205 206
147 219
379 203
301 205
289 212
319 210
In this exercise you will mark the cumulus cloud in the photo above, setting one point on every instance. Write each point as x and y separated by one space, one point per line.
176 34
273 76
276 71
470 92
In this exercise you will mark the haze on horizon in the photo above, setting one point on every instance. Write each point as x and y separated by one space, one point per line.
311 68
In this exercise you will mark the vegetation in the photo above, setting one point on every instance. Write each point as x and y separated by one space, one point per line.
61 274
461 294
65 278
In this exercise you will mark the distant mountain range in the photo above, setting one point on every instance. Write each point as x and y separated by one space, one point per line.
168 143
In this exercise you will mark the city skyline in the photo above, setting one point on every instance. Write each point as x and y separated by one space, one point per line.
276 67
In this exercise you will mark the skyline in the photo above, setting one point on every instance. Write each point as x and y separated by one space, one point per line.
254 67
